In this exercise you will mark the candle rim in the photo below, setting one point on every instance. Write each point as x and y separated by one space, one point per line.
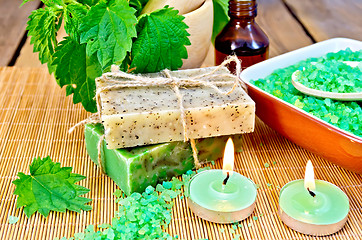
236 210
316 180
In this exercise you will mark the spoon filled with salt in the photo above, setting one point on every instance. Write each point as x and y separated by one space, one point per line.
355 96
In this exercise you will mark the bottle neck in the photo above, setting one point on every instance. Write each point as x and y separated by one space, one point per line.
243 9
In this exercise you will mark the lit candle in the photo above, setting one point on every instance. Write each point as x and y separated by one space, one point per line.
313 207
222 196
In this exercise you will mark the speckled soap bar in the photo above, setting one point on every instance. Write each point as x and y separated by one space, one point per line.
133 169
148 115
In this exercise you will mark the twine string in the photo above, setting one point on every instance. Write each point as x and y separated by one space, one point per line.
179 96
195 153
121 80
94 118
100 151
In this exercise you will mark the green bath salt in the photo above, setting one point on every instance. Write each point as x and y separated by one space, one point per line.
327 73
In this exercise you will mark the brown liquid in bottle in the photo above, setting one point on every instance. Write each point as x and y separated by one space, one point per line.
242 36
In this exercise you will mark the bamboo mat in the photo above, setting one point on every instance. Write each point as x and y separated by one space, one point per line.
35 116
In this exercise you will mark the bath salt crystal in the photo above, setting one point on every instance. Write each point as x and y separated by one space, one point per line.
345 115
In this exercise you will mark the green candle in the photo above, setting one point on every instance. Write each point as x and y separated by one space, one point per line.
222 196
319 211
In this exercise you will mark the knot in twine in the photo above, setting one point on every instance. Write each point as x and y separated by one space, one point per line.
127 80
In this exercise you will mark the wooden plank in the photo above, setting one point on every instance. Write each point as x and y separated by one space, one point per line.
284 31
12 26
326 19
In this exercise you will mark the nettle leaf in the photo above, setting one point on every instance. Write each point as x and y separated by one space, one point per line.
42 26
25 1
138 5
108 30
78 71
221 17
73 16
46 2
50 187
88 2
161 41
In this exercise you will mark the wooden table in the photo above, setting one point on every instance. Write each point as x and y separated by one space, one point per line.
289 24
31 125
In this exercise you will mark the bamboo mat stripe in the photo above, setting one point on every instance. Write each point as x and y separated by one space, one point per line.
35 116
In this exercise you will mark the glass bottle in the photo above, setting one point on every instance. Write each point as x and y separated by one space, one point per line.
242 36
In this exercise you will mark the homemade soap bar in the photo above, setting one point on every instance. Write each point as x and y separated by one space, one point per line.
147 115
134 169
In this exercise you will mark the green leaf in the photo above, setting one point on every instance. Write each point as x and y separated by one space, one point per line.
42 26
25 1
161 41
46 2
88 2
50 187
78 71
88 88
108 30
221 17
73 16
138 5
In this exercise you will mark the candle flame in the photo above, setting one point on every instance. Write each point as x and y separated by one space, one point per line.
309 182
228 161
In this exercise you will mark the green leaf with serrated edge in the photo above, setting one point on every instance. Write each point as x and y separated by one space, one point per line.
70 59
221 17
125 65
161 41
108 30
138 5
69 90
25 1
42 28
50 187
73 16
88 2
78 71
88 88
46 2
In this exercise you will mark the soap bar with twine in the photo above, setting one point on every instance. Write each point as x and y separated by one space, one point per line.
172 106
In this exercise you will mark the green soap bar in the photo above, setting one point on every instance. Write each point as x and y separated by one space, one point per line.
133 169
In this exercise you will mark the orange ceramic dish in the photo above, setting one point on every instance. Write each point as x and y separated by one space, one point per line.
336 145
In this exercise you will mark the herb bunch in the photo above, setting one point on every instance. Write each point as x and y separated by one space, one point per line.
105 32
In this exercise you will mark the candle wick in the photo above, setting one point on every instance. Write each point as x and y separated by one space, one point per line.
226 179
311 193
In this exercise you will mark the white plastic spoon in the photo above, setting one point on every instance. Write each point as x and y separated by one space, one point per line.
332 95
